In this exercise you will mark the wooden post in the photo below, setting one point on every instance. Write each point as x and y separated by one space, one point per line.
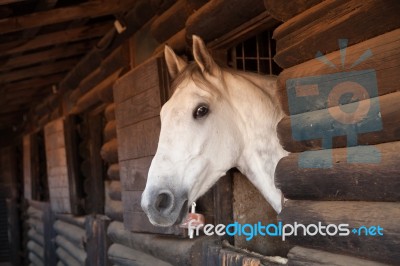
97 241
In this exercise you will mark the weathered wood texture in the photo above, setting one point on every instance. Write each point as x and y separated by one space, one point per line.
77 253
62 166
300 256
221 16
283 11
27 166
97 241
173 19
383 64
344 180
14 231
110 130
113 208
389 115
124 256
382 248
58 15
109 151
72 233
166 248
300 38
110 112
138 97
49 235
113 171
66 258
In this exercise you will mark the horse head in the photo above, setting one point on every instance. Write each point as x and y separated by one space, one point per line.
215 120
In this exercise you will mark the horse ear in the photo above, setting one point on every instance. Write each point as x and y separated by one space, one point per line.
203 57
175 64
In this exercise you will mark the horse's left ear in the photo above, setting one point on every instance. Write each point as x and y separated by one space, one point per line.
203 57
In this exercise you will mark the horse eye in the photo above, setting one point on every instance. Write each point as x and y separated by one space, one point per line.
201 111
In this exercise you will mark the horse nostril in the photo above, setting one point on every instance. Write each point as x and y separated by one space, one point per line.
164 202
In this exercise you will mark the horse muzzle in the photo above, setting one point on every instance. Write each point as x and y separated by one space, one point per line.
163 207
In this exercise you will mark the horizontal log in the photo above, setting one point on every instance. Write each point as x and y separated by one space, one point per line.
114 209
35 213
102 92
66 258
221 16
167 248
300 256
284 11
35 260
109 151
113 171
110 112
35 236
36 224
60 263
48 55
58 15
36 249
71 219
344 180
41 70
377 74
112 63
177 42
368 130
54 38
173 19
382 248
110 130
318 29
124 256
77 253
71 232
114 190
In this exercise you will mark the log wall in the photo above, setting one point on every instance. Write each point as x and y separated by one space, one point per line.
356 181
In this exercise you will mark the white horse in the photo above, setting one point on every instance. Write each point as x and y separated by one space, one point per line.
215 120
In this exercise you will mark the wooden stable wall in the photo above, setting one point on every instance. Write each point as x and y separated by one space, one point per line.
354 193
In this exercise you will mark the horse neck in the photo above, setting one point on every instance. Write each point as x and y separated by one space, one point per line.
260 112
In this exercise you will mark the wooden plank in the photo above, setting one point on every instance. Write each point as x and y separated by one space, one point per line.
49 39
300 256
139 222
124 256
140 79
382 248
27 166
47 69
134 173
285 11
139 140
222 16
382 67
91 9
49 234
38 82
318 29
389 114
344 180
97 240
143 106
131 201
48 55
182 252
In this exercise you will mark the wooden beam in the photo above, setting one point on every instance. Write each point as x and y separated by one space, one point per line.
32 83
44 40
57 67
53 54
6 2
58 15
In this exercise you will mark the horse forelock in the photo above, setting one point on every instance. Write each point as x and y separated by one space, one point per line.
193 73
